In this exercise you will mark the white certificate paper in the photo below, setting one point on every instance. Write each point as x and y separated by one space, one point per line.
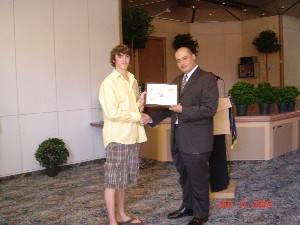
161 94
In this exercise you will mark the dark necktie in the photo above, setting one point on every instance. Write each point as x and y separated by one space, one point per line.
184 80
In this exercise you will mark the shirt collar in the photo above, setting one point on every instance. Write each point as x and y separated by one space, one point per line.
116 74
192 71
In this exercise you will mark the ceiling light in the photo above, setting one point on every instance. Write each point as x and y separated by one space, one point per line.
223 3
244 10
282 7
210 14
263 14
166 10
193 7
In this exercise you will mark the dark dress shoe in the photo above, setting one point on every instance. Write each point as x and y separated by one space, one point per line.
180 213
197 221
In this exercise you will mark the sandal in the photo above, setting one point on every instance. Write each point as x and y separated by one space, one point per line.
130 222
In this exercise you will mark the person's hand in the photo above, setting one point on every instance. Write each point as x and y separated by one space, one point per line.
142 99
145 118
176 108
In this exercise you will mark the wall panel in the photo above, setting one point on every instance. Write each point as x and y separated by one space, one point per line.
72 54
10 150
291 45
8 79
75 129
35 56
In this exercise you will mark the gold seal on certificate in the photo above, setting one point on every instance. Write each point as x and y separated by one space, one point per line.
161 94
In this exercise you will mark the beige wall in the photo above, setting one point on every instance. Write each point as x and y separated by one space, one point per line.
219 50
220 47
291 53
169 29
250 30
53 56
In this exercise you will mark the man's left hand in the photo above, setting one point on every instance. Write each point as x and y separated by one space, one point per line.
176 108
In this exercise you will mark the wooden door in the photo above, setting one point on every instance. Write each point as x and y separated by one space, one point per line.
152 61
152 64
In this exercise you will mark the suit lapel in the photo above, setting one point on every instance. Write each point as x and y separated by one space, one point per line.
190 81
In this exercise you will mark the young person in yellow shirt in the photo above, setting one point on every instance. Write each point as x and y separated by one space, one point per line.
122 107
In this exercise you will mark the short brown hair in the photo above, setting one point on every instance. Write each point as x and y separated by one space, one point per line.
119 50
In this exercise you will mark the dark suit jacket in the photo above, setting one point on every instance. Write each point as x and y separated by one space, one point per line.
199 100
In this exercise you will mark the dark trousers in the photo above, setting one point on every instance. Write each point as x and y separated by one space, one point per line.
219 179
193 172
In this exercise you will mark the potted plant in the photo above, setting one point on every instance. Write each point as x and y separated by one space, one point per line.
242 94
51 154
266 42
292 93
280 98
137 27
264 95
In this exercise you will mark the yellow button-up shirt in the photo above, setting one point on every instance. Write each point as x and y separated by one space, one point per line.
119 101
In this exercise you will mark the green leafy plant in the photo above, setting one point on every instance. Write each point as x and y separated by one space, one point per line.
185 40
264 93
242 93
137 27
266 42
280 95
292 93
52 153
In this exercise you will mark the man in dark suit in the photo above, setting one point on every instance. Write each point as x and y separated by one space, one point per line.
191 134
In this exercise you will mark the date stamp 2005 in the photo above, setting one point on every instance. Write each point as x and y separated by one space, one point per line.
244 203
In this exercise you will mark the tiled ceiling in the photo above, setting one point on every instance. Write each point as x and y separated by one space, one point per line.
198 11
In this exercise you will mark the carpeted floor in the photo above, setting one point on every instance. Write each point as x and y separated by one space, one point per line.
267 193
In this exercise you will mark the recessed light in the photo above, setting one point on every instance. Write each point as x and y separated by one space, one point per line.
282 7
223 3
193 7
244 10
210 14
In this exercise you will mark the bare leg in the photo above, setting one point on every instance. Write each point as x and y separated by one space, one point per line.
121 214
109 195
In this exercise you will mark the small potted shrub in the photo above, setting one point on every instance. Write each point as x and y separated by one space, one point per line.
292 93
280 98
51 154
264 94
242 94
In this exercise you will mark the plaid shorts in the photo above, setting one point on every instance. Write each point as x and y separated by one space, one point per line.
122 165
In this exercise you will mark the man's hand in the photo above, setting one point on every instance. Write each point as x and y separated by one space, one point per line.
142 99
145 118
176 108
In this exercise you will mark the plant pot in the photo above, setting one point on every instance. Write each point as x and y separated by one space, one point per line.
290 106
241 110
264 108
52 171
282 107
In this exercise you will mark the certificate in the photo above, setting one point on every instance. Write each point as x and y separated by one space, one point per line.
161 94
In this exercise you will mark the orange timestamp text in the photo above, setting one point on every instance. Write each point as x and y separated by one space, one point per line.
245 203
